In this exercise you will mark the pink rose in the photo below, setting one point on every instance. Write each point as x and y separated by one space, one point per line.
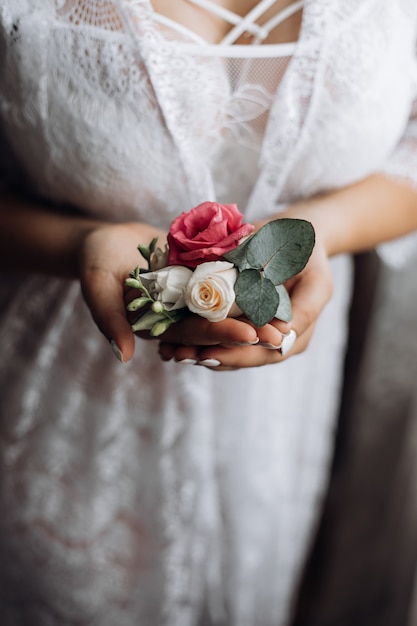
206 233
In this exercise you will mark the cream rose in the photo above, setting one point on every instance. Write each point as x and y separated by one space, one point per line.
210 292
167 285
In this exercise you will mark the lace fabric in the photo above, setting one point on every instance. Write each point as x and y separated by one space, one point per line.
150 494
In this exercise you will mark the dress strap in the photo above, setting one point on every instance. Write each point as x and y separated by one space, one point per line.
230 16
240 24
248 22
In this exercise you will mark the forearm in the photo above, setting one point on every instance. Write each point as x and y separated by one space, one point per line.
360 216
34 238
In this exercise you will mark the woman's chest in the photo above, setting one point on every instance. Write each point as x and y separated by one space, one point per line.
213 20
95 113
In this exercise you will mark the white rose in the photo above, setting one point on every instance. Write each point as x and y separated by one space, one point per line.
209 292
167 285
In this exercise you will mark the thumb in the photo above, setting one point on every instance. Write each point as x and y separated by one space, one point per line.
309 296
103 293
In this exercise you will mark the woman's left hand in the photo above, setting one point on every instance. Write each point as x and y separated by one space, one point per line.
309 290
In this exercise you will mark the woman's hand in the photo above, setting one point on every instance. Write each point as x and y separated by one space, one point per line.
106 256
197 341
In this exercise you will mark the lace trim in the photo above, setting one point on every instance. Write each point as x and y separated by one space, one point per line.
279 142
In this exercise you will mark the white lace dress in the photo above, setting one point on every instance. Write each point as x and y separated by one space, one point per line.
151 493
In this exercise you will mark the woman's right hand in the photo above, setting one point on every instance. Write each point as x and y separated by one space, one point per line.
106 256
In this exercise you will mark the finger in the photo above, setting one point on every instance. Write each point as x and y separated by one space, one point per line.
103 293
195 330
309 296
249 356
186 355
223 358
271 335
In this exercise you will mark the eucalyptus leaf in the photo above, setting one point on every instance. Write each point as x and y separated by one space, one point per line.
284 311
281 248
237 256
256 296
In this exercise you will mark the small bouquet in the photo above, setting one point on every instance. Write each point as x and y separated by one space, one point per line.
218 267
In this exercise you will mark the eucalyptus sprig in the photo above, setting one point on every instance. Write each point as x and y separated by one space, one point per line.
266 260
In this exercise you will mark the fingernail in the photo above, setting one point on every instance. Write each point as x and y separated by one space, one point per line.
186 361
288 342
209 362
246 343
116 350
270 346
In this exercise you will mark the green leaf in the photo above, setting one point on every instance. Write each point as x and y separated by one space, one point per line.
152 246
256 296
135 272
237 256
281 248
145 252
284 311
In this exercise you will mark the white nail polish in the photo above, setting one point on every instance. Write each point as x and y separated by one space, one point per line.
210 363
186 362
288 342
116 350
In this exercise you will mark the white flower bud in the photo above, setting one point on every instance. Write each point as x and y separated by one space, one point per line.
158 307
133 282
137 303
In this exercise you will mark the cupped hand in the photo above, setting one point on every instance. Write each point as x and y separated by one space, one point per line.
106 256
309 291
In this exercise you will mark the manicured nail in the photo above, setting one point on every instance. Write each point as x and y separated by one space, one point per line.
270 346
209 363
116 350
186 361
288 342
246 343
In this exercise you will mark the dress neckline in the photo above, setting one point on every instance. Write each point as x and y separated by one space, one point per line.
240 24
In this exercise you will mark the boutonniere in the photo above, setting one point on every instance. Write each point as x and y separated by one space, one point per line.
216 266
